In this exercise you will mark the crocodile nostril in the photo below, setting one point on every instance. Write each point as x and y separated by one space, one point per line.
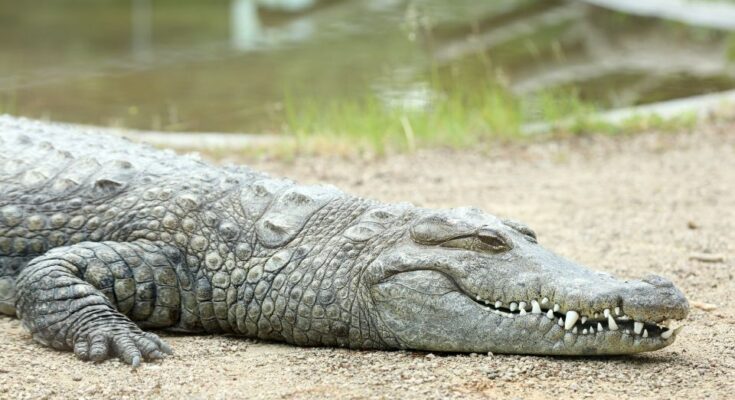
658 281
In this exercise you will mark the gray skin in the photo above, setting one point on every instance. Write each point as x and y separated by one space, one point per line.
101 238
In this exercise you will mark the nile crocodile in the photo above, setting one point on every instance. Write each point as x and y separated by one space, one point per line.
101 238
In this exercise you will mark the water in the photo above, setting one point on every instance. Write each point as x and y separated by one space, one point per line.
234 65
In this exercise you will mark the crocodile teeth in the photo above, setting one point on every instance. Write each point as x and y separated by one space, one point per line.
560 322
584 331
611 323
556 308
637 327
606 313
666 334
498 304
645 333
572 317
513 307
544 300
599 327
617 310
535 307
574 330
592 330
550 314
522 305
523 312
584 319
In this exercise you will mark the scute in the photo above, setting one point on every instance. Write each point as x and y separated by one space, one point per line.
258 196
106 186
363 231
289 213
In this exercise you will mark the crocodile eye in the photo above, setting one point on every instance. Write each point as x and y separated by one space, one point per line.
494 240
484 240
441 230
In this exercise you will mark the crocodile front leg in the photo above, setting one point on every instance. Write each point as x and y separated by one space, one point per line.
92 297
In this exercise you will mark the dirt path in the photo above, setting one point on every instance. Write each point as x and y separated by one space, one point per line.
631 206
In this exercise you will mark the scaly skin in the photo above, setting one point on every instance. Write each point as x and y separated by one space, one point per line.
100 237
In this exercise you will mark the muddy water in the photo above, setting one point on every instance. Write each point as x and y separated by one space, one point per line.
233 65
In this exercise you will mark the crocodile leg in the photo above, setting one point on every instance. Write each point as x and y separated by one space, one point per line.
10 266
93 298
7 295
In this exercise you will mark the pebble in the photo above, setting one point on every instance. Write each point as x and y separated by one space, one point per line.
703 306
707 257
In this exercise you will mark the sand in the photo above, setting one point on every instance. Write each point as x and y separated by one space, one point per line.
650 203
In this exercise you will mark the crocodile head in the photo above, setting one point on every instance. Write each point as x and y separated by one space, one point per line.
463 280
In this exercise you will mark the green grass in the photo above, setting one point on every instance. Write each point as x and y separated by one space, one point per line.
730 48
592 124
459 118
455 120
474 118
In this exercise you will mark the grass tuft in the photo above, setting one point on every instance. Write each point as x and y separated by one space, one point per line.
457 118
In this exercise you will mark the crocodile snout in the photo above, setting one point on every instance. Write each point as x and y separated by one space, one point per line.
655 298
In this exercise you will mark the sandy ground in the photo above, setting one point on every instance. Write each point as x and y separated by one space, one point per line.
651 203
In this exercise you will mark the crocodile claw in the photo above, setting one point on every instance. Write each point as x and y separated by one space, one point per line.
129 344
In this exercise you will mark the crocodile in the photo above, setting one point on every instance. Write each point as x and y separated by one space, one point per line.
103 240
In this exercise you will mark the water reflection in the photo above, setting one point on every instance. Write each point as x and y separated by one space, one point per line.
288 5
142 26
245 25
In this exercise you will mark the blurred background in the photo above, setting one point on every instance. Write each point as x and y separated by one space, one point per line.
381 73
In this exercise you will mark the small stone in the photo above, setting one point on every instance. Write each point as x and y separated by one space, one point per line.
707 257
704 306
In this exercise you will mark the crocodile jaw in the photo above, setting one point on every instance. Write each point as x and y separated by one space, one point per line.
426 310
521 298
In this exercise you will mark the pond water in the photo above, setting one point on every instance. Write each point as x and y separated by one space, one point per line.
239 65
